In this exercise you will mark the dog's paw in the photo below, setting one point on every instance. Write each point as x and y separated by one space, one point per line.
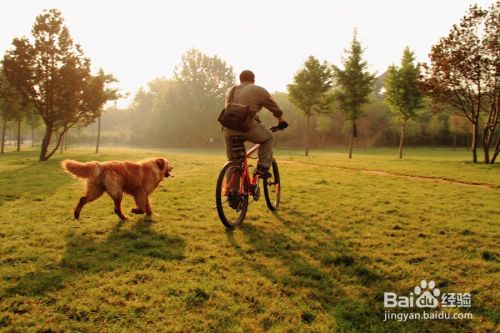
137 211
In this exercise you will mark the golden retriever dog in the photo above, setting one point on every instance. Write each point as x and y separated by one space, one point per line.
138 179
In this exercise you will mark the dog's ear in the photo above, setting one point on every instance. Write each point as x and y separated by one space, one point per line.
161 163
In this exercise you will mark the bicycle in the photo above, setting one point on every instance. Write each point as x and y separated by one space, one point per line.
234 185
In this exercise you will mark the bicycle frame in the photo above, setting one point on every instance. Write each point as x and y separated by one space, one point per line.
245 176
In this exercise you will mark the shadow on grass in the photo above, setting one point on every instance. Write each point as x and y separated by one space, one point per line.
329 273
32 181
86 254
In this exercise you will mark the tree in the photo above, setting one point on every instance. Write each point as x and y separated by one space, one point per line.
52 74
353 85
464 72
308 90
200 84
11 109
402 93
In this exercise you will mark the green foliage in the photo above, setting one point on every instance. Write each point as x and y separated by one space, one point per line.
11 102
402 93
464 70
353 83
53 75
323 124
458 124
435 126
310 85
182 111
203 75
309 91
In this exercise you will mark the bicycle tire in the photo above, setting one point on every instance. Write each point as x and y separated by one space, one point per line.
272 188
225 210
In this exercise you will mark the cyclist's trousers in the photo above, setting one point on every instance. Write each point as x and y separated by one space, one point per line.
258 133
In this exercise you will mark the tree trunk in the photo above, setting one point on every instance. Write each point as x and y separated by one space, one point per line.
62 138
32 136
61 148
402 138
19 134
486 150
497 151
49 155
454 141
307 134
488 134
99 135
45 143
474 142
4 128
351 138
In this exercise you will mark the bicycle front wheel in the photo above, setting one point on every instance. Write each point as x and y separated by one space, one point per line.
272 187
231 195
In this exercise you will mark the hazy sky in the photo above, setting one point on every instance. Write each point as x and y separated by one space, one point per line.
138 41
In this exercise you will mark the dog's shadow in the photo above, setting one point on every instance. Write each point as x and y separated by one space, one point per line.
89 254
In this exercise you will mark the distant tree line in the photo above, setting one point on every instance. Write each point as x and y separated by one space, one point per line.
451 101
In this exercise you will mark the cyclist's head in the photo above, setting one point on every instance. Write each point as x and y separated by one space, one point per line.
247 76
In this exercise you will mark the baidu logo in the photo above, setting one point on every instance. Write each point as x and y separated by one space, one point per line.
427 298
426 295
423 296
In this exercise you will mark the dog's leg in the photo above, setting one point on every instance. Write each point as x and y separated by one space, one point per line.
93 192
117 199
78 208
140 201
118 208
149 212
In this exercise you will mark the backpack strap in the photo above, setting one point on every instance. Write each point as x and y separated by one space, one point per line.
231 95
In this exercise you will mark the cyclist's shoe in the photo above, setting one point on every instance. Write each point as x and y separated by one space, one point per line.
262 172
232 198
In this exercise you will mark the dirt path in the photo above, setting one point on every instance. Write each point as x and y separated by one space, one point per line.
398 174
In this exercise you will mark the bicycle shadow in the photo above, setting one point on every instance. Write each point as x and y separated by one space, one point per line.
320 268
86 254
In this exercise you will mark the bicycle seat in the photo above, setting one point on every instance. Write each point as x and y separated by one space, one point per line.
238 145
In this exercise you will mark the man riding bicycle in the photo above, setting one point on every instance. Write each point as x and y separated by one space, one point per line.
255 97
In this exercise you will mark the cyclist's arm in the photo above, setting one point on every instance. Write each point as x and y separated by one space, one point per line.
269 103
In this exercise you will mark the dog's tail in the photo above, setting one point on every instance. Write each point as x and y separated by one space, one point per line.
82 170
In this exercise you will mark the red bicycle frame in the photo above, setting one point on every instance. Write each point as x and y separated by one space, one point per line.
245 175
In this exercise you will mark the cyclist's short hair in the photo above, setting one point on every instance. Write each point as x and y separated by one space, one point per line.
247 76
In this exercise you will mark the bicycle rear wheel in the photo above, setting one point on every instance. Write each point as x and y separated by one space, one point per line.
272 187
231 195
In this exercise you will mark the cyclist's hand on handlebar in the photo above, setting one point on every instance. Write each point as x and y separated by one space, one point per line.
282 125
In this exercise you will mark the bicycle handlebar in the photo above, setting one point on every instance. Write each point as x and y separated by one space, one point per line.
275 128
280 127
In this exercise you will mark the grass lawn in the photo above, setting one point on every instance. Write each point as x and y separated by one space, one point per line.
322 263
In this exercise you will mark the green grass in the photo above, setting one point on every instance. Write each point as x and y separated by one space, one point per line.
322 263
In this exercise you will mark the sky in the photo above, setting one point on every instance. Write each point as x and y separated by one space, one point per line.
138 41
